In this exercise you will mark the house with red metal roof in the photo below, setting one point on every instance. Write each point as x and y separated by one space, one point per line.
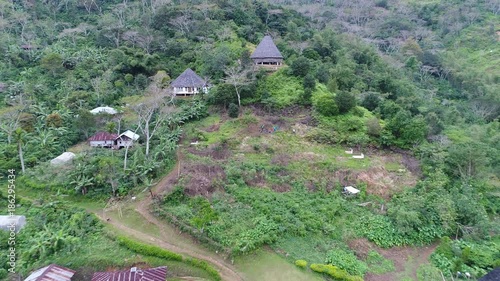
103 139
134 274
52 272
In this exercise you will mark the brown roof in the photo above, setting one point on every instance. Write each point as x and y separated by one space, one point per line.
188 79
134 274
103 136
266 49
51 272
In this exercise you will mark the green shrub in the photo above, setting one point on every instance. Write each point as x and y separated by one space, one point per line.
334 272
154 251
324 103
347 261
234 110
147 250
301 263
204 265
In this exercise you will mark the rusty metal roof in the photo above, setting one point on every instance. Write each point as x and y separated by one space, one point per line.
51 272
103 136
134 274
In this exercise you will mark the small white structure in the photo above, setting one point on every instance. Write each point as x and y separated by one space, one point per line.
350 151
14 223
189 84
104 109
126 138
359 156
350 190
64 158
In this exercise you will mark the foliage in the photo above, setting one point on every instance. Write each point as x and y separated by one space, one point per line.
347 261
334 272
325 104
155 251
147 249
466 256
234 110
378 264
301 263
345 101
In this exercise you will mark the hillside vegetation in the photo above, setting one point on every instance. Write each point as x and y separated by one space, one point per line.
413 85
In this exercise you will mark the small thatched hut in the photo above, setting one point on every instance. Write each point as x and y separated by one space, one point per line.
188 84
267 54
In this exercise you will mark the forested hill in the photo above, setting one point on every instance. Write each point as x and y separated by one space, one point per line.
417 77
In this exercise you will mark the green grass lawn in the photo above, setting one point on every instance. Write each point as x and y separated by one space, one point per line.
265 265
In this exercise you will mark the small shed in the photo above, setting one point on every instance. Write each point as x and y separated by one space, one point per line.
104 109
9 222
51 272
189 84
126 138
103 139
134 274
66 157
267 54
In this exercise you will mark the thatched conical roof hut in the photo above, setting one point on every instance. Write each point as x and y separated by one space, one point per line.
267 54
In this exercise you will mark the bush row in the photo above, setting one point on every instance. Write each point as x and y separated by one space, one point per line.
147 250
334 272
167 255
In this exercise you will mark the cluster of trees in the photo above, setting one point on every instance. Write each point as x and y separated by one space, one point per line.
63 58
53 230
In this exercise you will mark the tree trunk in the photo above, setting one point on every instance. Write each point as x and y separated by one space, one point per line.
125 159
21 156
238 94
147 137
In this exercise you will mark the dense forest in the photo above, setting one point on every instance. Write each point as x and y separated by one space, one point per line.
411 80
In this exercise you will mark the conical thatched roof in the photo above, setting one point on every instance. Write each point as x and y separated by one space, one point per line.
188 79
266 49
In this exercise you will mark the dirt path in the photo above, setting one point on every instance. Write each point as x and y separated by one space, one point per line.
225 269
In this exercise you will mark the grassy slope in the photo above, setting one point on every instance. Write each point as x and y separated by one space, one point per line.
303 162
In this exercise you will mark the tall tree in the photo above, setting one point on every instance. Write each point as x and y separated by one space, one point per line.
238 76
155 108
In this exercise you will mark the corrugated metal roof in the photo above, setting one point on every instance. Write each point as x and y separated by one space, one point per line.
103 136
51 272
134 274
103 109
131 135
266 49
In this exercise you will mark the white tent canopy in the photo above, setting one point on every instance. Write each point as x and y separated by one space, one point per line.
103 109
63 158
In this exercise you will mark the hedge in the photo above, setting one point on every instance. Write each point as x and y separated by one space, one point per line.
301 263
334 272
158 252
147 250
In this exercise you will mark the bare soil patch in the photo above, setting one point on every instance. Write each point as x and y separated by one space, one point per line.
202 179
